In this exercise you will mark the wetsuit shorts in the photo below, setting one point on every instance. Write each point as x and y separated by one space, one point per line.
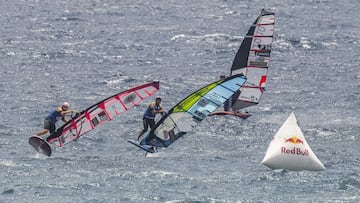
49 125
148 122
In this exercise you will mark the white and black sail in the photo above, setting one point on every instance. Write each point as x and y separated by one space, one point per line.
252 60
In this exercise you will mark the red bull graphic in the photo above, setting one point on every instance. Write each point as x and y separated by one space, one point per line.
294 140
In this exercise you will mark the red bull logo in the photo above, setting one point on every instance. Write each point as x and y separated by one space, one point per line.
294 140
296 150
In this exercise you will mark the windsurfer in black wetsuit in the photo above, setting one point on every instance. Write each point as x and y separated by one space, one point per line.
149 115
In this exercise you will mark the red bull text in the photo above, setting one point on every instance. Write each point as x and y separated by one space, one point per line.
295 150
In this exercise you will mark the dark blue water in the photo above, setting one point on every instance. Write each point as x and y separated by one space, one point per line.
83 51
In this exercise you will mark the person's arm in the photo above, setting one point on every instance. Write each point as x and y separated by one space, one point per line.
161 110
152 107
63 113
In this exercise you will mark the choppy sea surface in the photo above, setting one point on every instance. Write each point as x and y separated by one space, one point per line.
83 51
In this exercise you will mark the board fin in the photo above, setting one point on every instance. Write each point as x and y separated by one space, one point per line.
146 148
40 145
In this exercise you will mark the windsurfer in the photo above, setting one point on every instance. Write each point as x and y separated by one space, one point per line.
54 116
149 115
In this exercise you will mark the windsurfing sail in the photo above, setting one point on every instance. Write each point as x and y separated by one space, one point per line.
101 112
252 60
186 114
289 149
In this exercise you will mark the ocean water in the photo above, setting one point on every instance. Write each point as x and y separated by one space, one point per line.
83 51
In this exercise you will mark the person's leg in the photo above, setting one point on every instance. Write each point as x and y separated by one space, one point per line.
53 134
145 125
52 128
151 123
45 130
42 132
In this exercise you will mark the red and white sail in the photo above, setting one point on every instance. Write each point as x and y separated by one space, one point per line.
101 112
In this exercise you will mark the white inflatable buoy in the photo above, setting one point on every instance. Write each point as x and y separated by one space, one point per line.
289 149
